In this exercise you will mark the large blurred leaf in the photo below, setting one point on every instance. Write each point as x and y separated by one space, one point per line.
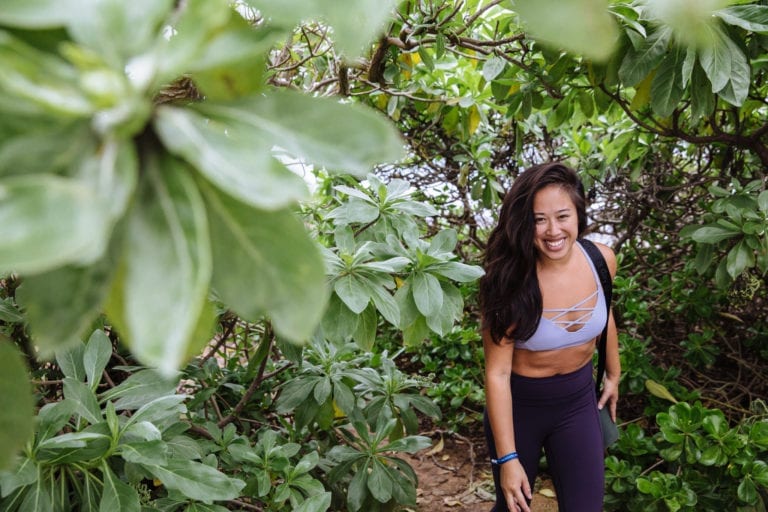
163 280
40 13
580 26
47 221
16 404
232 157
117 30
341 137
40 80
61 304
354 23
265 262
56 147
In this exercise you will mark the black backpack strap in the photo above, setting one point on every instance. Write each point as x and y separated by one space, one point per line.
601 266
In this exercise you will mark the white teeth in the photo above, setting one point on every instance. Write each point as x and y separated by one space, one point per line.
555 245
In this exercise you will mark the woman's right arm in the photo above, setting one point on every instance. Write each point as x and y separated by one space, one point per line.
498 395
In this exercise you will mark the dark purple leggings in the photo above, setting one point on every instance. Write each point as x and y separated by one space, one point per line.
558 413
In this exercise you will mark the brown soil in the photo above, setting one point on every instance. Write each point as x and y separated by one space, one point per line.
454 476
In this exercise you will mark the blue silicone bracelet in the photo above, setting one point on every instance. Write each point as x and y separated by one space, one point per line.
508 457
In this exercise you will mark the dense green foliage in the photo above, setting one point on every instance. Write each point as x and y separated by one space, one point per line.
190 310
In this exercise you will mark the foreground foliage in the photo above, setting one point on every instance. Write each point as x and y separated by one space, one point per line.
161 212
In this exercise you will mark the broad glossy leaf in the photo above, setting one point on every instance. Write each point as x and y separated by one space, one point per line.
83 396
16 421
145 452
427 293
666 88
265 262
379 483
456 271
355 24
159 410
196 481
48 221
139 389
98 352
637 64
713 234
716 59
339 322
739 258
163 281
353 292
736 90
325 132
580 26
231 157
117 495
316 503
749 17
70 362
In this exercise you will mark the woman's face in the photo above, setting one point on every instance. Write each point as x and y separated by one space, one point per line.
556 221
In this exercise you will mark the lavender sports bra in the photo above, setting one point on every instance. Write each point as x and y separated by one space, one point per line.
553 333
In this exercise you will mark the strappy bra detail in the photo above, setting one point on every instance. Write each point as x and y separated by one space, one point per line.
557 332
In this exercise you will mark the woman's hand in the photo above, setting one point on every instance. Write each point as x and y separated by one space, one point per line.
609 396
515 485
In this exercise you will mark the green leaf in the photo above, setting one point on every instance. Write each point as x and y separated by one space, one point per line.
83 396
427 293
379 483
739 258
339 322
317 503
736 90
347 137
579 26
139 389
60 304
39 13
357 490
702 98
162 285
98 352
159 410
118 30
355 24
666 88
47 221
712 234
365 333
749 17
637 64
38 498
456 271
493 67
25 473
16 421
196 481
9 312
353 292
284 267
56 148
71 362
762 201
117 495
716 59
40 82
232 157
145 452
659 390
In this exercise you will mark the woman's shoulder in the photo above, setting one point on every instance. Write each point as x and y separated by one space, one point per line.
609 255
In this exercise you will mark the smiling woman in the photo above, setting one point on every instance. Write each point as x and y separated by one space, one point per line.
543 308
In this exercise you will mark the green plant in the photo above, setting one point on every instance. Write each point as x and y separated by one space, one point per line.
93 451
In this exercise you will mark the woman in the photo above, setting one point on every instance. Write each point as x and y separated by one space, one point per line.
543 309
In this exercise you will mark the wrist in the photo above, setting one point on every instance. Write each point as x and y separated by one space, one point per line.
506 458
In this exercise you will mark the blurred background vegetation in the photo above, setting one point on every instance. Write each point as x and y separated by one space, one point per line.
240 240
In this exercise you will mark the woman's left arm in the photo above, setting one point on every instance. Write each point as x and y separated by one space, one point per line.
610 394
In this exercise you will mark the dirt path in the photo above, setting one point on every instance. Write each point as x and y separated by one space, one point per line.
454 477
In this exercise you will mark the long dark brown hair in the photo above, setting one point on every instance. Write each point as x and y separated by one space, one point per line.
510 297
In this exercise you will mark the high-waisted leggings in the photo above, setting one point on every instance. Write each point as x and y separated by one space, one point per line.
557 413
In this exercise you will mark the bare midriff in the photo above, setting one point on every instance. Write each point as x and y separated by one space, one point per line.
546 363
